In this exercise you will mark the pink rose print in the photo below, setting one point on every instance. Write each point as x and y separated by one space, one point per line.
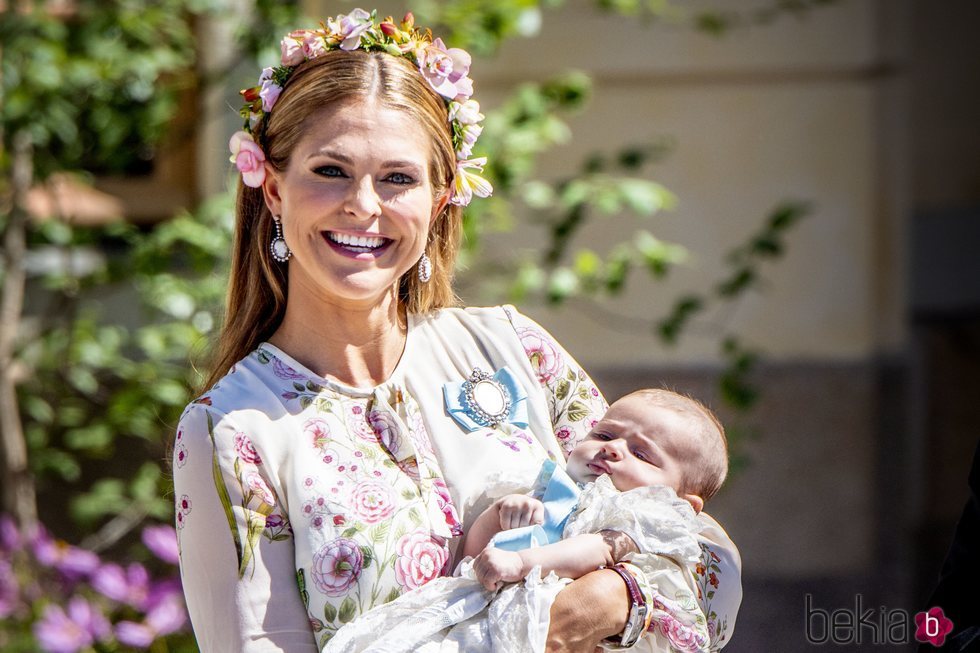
245 449
259 488
546 361
318 432
386 428
357 422
446 505
337 566
680 636
421 558
371 501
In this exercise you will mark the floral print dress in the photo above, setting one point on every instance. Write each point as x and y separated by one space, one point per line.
302 502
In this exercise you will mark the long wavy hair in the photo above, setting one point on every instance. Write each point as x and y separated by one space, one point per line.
257 286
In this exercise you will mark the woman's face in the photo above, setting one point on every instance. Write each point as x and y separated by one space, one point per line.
355 202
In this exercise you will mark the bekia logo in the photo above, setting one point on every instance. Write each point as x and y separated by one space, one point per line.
932 626
882 626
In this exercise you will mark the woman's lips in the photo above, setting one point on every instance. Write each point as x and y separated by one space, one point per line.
357 247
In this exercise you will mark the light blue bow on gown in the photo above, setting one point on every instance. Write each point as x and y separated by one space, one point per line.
560 498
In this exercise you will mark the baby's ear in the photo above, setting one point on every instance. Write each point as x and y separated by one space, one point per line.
696 502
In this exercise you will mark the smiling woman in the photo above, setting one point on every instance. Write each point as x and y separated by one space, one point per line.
335 457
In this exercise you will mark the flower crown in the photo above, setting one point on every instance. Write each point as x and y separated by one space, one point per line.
445 69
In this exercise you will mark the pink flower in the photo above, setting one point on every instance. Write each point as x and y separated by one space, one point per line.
270 90
318 431
386 428
371 501
468 135
357 422
313 45
420 559
468 184
248 157
681 636
336 566
545 359
292 48
162 542
445 502
72 561
465 113
246 450
352 26
445 69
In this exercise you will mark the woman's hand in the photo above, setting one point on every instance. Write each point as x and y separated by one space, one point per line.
590 609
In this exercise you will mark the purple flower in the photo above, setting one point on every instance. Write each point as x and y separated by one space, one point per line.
80 627
446 70
10 539
166 617
74 563
284 371
162 542
337 566
131 586
9 590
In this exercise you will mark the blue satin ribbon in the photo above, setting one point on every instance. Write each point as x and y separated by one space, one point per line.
457 408
560 499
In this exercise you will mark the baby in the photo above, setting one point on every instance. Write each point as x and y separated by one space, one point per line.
647 438
645 470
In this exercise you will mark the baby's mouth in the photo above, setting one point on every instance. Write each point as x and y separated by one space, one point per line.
357 244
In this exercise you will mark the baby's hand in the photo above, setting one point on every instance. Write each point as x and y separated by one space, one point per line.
518 510
494 567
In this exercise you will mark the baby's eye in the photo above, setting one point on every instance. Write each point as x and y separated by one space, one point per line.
329 171
641 455
400 178
602 436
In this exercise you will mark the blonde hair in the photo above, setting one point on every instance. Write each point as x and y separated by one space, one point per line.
257 285
706 472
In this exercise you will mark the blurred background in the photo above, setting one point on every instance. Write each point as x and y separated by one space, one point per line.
770 204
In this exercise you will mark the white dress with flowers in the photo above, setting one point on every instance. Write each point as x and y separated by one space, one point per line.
303 503
456 614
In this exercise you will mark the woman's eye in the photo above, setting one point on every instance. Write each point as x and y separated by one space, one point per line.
329 171
399 178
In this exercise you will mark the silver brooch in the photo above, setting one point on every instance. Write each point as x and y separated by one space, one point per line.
485 399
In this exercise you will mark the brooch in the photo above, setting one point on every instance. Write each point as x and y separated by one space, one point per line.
487 400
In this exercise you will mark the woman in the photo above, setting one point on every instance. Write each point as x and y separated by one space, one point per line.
354 418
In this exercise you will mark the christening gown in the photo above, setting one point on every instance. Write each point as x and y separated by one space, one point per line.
302 502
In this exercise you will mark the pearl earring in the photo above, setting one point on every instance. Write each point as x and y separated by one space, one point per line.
278 246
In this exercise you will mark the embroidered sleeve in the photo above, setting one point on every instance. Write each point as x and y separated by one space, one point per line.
236 553
573 398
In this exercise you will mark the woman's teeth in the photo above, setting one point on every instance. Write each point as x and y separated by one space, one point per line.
357 243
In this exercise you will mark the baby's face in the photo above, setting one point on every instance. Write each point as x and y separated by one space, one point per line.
637 444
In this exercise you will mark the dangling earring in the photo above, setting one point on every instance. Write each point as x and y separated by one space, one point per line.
278 246
425 268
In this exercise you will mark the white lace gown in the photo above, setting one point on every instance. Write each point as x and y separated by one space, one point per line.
453 615
303 503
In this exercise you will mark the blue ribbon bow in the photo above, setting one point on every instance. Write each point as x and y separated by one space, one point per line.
460 411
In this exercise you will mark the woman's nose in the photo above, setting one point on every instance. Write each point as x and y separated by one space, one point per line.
362 200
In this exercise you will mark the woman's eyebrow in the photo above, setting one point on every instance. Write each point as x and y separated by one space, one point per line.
333 154
400 163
